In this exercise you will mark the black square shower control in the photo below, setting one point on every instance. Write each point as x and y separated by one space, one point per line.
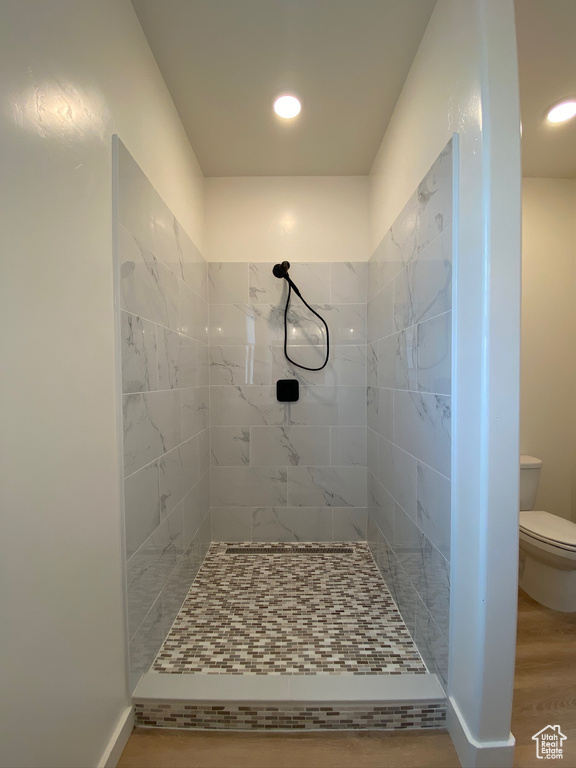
287 390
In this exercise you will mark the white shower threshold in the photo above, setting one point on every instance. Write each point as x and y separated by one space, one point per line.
281 636
289 702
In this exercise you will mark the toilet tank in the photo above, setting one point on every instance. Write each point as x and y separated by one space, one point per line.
530 468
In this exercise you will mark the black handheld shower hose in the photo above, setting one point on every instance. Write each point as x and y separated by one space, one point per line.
281 271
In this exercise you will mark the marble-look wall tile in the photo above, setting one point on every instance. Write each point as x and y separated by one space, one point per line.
166 234
384 362
349 524
228 283
231 324
147 287
255 364
427 213
204 456
178 471
427 569
141 507
177 360
435 199
424 288
347 366
434 354
203 365
195 508
151 427
384 560
313 280
422 427
290 446
395 360
433 507
347 323
193 265
318 406
245 405
277 524
432 644
263 286
351 404
201 320
405 359
380 411
193 318
348 282
409 376
230 446
164 331
380 313
233 365
397 581
149 569
179 583
372 531
372 364
139 354
348 446
327 486
174 594
269 324
372 286
372 451
397 473
247 359
202 289
395 249
231 523
146 643
248 486
195 411
382 508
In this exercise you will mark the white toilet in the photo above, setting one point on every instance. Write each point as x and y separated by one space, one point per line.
547 547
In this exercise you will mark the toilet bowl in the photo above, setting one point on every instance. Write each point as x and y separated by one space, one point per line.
547 547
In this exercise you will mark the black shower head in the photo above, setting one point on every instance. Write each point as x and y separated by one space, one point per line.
281 270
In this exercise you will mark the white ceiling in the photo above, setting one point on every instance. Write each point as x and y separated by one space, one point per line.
546 34
225 60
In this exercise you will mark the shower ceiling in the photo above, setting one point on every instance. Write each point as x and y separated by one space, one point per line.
224 61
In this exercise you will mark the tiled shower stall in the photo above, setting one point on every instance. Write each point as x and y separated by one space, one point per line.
211 455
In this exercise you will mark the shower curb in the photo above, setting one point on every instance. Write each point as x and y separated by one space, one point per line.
289 702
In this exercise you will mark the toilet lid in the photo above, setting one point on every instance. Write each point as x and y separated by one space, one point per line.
550 528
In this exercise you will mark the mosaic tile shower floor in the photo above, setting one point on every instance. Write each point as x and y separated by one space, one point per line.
311 612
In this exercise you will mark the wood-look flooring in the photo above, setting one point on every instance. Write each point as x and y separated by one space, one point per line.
545 682
544 694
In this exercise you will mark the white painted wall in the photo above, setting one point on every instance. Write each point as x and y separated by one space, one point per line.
464 81
548 413
71 74
293 218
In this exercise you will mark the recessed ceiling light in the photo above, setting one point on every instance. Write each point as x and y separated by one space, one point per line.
287 106
562 111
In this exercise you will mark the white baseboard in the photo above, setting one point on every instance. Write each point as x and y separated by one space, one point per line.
473 753
118 739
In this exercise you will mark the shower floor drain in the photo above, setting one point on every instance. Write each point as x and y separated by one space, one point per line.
289 551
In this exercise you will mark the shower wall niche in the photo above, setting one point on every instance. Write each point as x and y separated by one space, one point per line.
162 293
409 410
287 471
